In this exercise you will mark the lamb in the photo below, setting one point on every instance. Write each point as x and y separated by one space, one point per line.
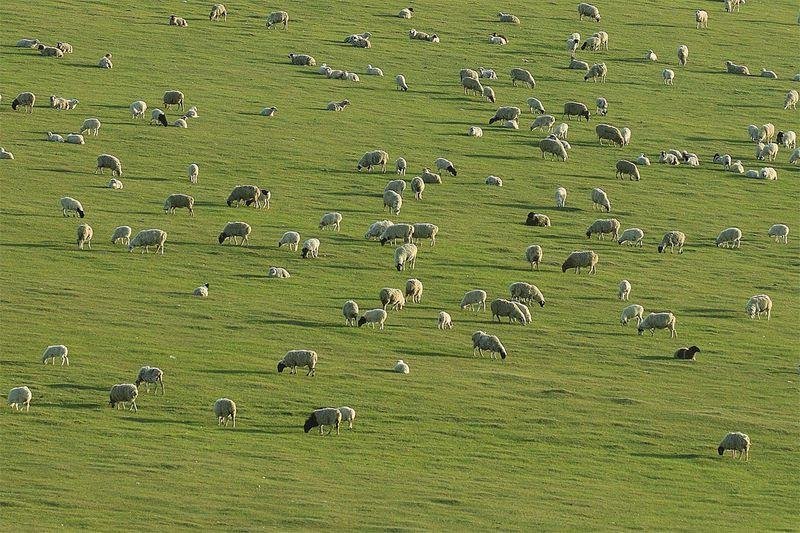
535 106
397 231
56 350
400 81
474 297
372 317
788 139
730 237
780 232
302 60
488 73
769 131
278 272
600 199
218 11
655 321
351 76
576 64
350 313
578 109
736 441
576 260
592 43
175 20
268 111
148 375
400 166
85 234
588 11
200 292
310 249
193 171
71 204
105 62
392 297
598 70
643 160
224 410
537 219
148 238
138 109
525 292
768 173
758 304
494 180
19 397
506 113
331 219
445 321
278 17
373 159
405 253
232 230
180 123
561 197
295 358
701 17
25 99
553 146
609 133
377 228
683 55
425 230
74 138
733 68
406 13
669 76
524 76
121 233
631 312
651 56
686 353
737 167
123 393
753 174
417 186
54 137
672 239
337 106
481 341
572 43
475 131
510 124
792 97
624 291
244 193
414 290
444 164
508 17
533 255
625 167
731 5
632 236
393 201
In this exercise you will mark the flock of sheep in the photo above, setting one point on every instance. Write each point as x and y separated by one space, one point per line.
521 294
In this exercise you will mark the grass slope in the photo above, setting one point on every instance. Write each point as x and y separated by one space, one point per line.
586 425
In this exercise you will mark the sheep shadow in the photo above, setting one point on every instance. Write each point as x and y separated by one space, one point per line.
681 456
73 405
60 170
655 357
710 312
84 65
227 371
383 370
76 386
14 363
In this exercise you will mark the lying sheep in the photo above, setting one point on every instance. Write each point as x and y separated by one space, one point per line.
474 297
668 159
603 227
524 76
181 123
537 219
49 51
770 74
505 113
123 393
736 441
397 231
278 272
105 62
533 255
331 219
792 97
758 305
508 17
200 292
92 125
588 11
488 73
224 410
20 397
85 234
310 249
572 43
625 167
624 291
780 232
56 350
525 292
372 317
27 43
730 237
147 238
632 236
148 375
406 13
592 43
401 367
393 201
268 111
405 253
301 358
175 20
302 59
71 204
609 133
600 200
475 131
643 160
494 38
425 230
177 201
768 173
494 180
598 70
414 289
510 124
576 64
121 233
373 71
350 313
337 106
672 239
481 341
373 159
683 55
733 68
56 102
445 321
737 167
232 230
445 164
576 260
278 17
54 137
655 321
631 312
686 353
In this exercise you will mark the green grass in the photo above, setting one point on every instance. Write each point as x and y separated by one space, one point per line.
585 425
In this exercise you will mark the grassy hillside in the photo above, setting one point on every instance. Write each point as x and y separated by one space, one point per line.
585 425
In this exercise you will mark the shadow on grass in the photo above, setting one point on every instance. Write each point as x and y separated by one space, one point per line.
655 357
14 363
710 312
234 372
76 386
682 456
74 405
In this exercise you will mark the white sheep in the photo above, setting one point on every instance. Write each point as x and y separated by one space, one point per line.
397 231
729 237
669 76
200 292
787 138
475 131
643 160
576 64
406 13
701 17
733 68
768 173
20 397
108 161
629 168
533 255
301 358
278 272
445 321
373 158
56 350
768 74
376 229
792 97
418 187
735 441
291 238
780 232
224 410
348 415
350 313
193 171
278 17
578 259
71 204
672 239
758 305
683 55
181 123
400 166
123 393
597 71
589 11
92 125
54 137
121 233
115 184
631 312
600 200
400 81
393 201
372 317
405 253
525 292
414 289
494 180
624 291
26 100
535 106
327 416
631 236
176 201
148 375
218 11
373 71
482 341
175 20
767 151
545 122
794 158
524 76
331 219
502 307
147 238
105 62
310 249
655 321
472 298
173 97
85 234
561 197
401 367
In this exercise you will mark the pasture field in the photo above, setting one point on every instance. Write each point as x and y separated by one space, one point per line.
585 426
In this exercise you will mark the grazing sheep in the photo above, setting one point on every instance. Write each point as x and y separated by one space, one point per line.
444 164
372 317
494 180
92 125
109 161
56 350
278 272
393 201
406 13
425 230
535 106
377 228
400 81
545 122
397 231
373 159
631 312
414 290
561 197
350 313
730 237
632 236
292 238
278 17
71 204
310 249
472 84
758 304
669 76
138 109
405 253
609 133
302 60
686 353
525 292
701 17
733 68
200 292
576 260
755 133
244 193
445 320
268 111
655 321
417 186
600 200
232 230
793 158
683 55
643 160
148 375
54 137
175 20
780 232
114 183
533 255
624 291
788 139
481 341
506 113
603 227
474 297
553 146
572 43
20 397
224 410
735 441
147 238
537 219
105 62
768 173
85 234
625 167
475 131
158 117
401 367
592 43
373 71
767 151
791 100
301 358
672 239
337 106
123 393
524 76
588 11
218 11
578 109
598 70
331 219
121 233
181 123
602 107
576 64
176 201
651 56
348 415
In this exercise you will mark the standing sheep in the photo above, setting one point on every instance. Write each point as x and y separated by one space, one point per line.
400 81
331 219
525 292
278 17
373 159
232 230
474 297
20 397
244 193
672 239
121 233
730 237
481 341
400 166
56 350
218 11
625 167
533 255
292 238
624 292
502 307
631 312
418 186
425 230
175 201
123 393
148 375
71 204
445 164
92 125
193 171
578 109
683 55
224 410
148 238
414 290
780 232
609 133
603 227
393 201
576 260
505 113
792 97
524 76
561 197
445 321
372 317
397 231
701 17
405 253
138 109
552 146
589 11
173 98
327 416
310 249
301 358
85 234
350 313
25 99
655 321
735 441
669 76
600 200
598 70
108 161
758 304
632 236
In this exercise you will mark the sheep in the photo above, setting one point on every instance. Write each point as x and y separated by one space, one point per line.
655 321
148 375
377 228
397 231
686 353
27 43
481 341
578 109
572 43
604 226
588 11
643 160
224 410
625 167
535 106
123 393
505 113
54 137
751 174
444 164
71 204
533 255
268 111
331 219
669 76
393 201
425 230
793 158
310 249
730 237
351 76
468 73
631 312
733 68
401 367
737 167
50 51
683 55
561 197
200 292
302 60
735 441
244 193
56 102
525 292
758 304
85 234
494 180
278 17
19 397
668 159
600 199
609 133
632 236
350 313
576 64
265 195
301 358
524 76
501 307
218 11
701 17
472 84
768 74
400 82
148 238
767 151
780 232
337 106
175 201
105 62
405 253
158 117
414 290
576 260
792 97
406 13
175 98
92 125
72 103
232 230
372 317
598 70
474 297
508 17
768 173
691 159
359 40
602 107
788 139
56 350
553 146
672 239
138 109
624 291
475 131
373 71
511 124
651 56
768 131
278 272
121 233
180 123
494 38
537 219
175 20
25 99
488 73
373 159
292 238
592 43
